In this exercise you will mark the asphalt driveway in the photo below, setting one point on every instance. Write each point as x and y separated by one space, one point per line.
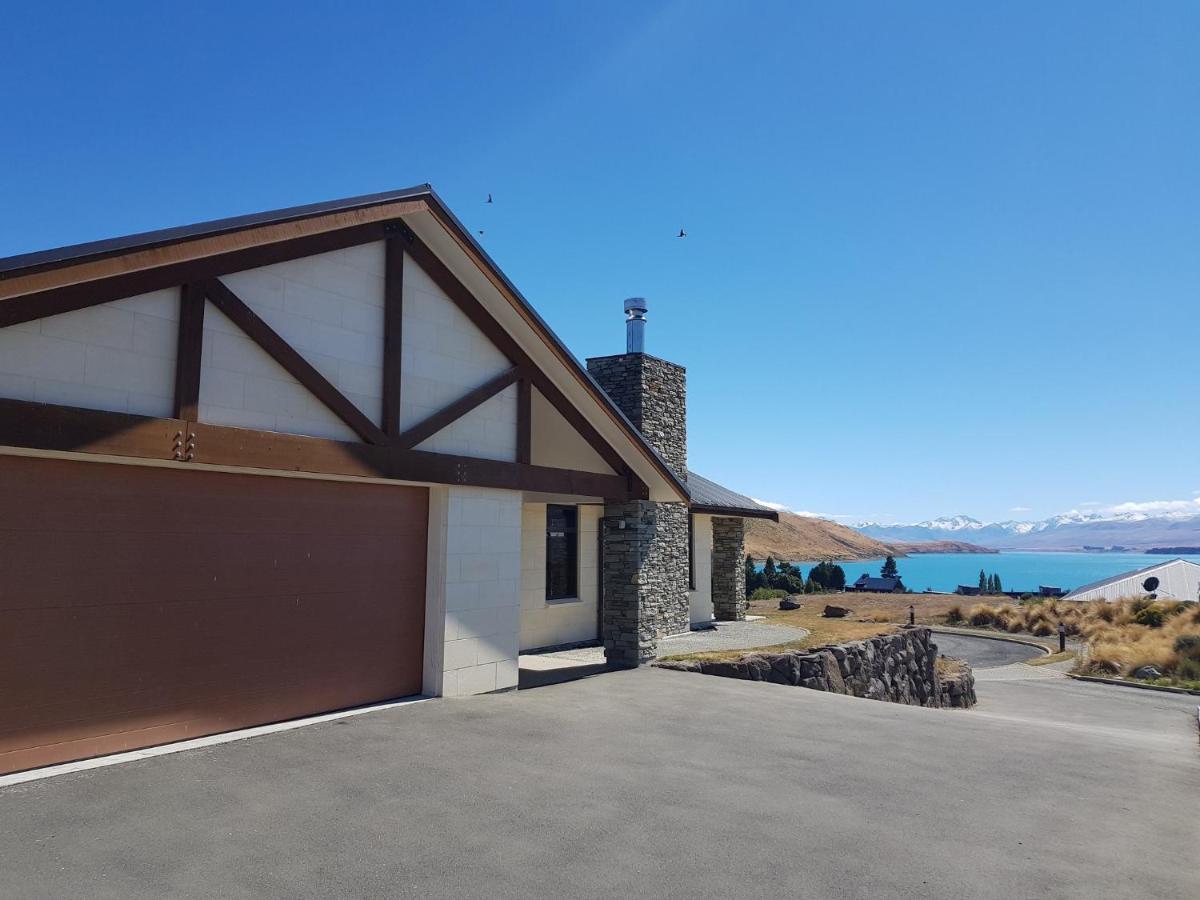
648 783
982 652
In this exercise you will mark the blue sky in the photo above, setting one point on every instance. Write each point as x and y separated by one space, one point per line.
941 257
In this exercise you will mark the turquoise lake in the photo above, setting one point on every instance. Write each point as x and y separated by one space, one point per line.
1018 571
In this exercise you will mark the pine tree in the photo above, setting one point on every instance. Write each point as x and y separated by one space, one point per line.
889 569
769 569
809 586
753 579
999 588
991 584
982 582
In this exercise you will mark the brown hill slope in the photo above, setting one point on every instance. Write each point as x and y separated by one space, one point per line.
805 538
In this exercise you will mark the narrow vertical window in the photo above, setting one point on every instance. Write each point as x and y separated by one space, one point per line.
562 552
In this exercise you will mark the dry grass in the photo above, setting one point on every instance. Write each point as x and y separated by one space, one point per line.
873 614
1051 658
1120 637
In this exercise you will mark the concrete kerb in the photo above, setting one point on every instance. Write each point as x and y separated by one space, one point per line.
1133 684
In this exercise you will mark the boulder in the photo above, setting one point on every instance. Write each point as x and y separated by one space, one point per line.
836 612
791 601
1147 672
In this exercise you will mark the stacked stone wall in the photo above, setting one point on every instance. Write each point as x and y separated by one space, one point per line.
645 579
653 395
900 668
729 569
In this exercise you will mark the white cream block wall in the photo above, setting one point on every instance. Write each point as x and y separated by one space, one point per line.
240 385
118 356
473 603
556 443
329 307
544 623
700 600
445 357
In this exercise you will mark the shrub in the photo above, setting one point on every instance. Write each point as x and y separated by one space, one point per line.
764 593
1104 610
1150 616
1042 628
954 615
981 614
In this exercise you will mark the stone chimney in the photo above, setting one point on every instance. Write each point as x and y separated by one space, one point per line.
645 558
650 391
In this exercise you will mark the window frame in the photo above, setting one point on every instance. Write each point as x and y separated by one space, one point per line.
571 535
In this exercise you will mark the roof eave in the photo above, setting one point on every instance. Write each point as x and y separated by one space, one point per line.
735 512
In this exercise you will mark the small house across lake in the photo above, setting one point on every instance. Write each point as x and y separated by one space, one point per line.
879 584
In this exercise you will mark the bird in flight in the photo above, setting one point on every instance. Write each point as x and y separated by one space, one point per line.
489 199
682 233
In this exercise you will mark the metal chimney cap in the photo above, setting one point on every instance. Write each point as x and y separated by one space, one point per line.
636 305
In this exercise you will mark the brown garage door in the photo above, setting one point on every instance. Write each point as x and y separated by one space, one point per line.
144 605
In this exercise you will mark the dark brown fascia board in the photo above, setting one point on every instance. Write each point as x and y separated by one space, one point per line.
735 512
18 309
41 260
43 426
497 276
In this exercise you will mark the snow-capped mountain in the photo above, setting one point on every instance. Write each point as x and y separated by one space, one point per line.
1135 529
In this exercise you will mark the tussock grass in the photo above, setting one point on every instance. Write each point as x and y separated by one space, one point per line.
1120 637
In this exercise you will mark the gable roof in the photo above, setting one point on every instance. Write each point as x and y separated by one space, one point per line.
878 582
71 268
1137 573
708 497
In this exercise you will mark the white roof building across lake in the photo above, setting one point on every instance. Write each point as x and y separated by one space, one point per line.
1176 579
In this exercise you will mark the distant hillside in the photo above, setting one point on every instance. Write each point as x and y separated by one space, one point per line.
803 538
908 549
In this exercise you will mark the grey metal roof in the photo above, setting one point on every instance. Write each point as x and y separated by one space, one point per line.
145 240
878 582
710 497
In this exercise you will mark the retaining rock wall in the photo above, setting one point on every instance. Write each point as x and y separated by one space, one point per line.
900 668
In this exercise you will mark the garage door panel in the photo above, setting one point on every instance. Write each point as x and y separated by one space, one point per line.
123 629
111 648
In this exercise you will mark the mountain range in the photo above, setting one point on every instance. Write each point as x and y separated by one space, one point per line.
1071 531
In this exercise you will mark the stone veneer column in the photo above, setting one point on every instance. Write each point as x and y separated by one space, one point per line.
645 579
729 569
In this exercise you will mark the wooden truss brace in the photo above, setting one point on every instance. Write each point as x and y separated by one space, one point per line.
200 280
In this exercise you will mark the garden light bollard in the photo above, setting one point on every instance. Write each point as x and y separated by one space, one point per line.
1062 637
912 615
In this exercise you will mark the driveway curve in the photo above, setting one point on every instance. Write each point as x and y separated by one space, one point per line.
983 653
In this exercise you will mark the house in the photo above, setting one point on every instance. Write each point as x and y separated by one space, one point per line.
293 462
968 590
885 584
1177 579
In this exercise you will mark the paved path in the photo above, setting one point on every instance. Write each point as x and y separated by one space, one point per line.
725 636
983 653
644 783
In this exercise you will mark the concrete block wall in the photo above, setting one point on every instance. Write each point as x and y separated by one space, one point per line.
700 598
545 623
119 356
473 599
330 308
445 357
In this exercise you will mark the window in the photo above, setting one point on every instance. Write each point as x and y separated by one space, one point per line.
691 552
562 552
